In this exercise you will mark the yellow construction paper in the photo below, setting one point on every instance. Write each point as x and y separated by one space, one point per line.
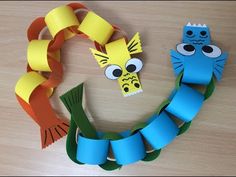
101 58
27 83
37 55
96 28
118 58
130 85
61 18
117 52
134 45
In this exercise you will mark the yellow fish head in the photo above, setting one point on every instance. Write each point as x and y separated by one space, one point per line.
119 64
130 84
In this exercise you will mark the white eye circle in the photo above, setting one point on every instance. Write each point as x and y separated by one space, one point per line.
113 72
134 65
185 49
211 51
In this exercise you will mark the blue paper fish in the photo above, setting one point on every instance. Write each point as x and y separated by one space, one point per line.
197 57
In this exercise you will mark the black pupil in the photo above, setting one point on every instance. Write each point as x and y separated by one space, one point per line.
189 32
203 33
207 49
136 85
189 48
131 68
126 89
117 73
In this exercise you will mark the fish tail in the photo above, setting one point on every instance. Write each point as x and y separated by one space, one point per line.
53 133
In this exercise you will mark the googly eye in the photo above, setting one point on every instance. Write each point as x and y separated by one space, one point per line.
113 72
211 51
134 65
185 49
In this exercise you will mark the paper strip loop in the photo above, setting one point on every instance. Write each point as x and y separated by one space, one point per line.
128 150
61 18
96 28
92 151
186 103
198 71
27 83
37 55
35 28
43 56
160 132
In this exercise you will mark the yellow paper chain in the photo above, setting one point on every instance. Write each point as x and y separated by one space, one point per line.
58 19
44 70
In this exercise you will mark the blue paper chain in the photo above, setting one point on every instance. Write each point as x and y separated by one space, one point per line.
160 130
195 62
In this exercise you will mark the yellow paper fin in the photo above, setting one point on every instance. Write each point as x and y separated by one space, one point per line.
134 45
101 58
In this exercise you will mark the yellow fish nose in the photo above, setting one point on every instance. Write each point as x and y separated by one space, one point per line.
130 84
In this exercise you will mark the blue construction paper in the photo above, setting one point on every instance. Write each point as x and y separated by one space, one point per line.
191 56
152 118
186 103
219 65
198 69
92 151
196 34
129 149
125 133
161 131
173 92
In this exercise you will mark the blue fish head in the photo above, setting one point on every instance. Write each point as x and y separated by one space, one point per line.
196 34
199 62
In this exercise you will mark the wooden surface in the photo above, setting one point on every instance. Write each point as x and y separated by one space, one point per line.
208 148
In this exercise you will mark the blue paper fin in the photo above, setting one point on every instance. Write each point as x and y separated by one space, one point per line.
219 66
177 62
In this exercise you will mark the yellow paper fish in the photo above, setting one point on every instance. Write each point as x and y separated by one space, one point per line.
119 64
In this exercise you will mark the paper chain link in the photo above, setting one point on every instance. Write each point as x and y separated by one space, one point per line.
44 73
128 146
44 70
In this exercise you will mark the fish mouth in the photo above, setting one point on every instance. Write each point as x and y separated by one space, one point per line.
133 93
129 78
197 41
